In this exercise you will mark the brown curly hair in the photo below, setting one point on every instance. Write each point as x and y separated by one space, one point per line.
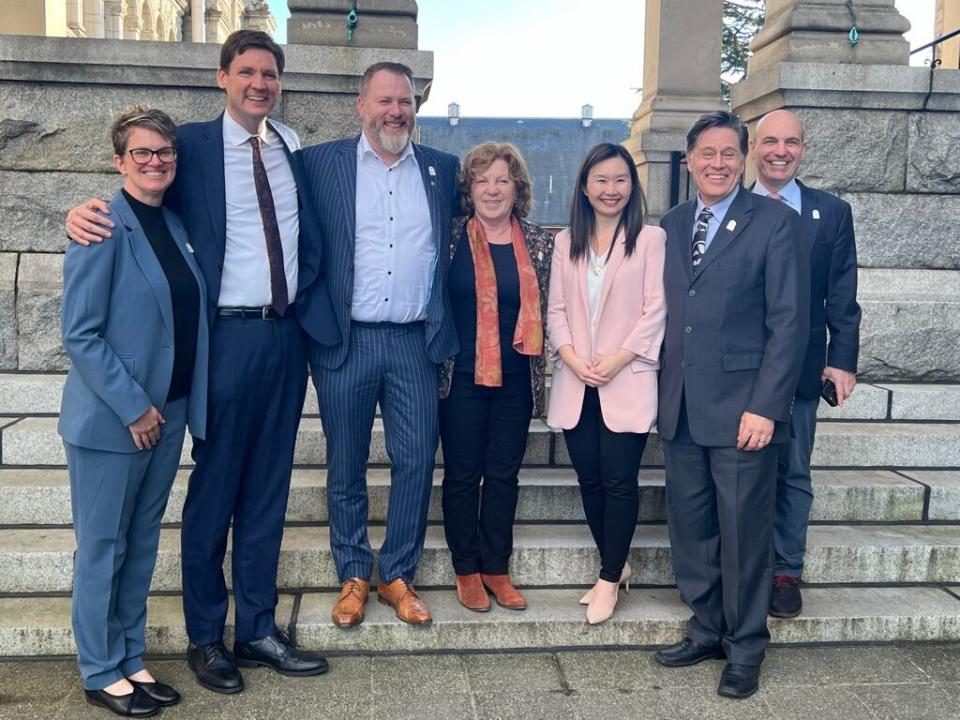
480 158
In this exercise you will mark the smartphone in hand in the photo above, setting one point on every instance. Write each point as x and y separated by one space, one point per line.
828 391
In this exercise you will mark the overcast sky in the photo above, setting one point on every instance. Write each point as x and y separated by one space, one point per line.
546 58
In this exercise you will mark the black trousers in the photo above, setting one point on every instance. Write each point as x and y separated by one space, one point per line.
607 464
484 435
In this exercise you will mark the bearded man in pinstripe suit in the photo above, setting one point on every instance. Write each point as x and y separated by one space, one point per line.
385 206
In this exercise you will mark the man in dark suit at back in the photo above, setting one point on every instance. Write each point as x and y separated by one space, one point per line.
826 226
256 242
385 206
737 284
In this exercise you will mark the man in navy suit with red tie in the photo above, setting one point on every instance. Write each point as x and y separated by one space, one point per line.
826 226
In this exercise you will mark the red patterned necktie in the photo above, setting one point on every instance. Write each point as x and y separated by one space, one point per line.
278 278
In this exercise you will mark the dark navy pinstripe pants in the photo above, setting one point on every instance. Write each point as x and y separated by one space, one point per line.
386 364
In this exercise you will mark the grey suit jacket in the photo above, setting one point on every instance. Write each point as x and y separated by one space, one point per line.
118 332
737 330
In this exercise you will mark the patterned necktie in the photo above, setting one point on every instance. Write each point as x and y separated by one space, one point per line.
268 214
700 237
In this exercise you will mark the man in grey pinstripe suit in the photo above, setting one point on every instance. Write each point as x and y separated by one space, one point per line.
385 206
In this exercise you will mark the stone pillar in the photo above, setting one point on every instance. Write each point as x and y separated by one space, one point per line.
197 29
212 20
678 87
93 18
818 31
388 24
883 136
948 19
113 11
133 23
75 18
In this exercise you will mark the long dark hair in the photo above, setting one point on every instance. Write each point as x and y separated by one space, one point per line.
583 222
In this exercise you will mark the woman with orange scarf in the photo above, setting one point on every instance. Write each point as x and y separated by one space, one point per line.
498 280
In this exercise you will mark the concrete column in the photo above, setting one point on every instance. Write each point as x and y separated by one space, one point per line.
75 18
198 30
113 12
93 18
948 20
681 81
819 31
390 24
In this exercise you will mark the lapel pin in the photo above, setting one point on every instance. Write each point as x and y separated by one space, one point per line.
816 214
732 225
433 175
189 247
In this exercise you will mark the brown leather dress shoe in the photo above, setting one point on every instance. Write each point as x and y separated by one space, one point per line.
401 596
506 595
353 599
471 593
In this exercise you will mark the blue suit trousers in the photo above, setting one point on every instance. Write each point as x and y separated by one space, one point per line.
795 490
118 500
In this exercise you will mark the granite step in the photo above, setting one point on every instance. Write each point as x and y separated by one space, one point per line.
34 441
25 394
41 560
34 627
41 496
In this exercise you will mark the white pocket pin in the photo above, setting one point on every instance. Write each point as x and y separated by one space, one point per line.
189 247
816 214
732 225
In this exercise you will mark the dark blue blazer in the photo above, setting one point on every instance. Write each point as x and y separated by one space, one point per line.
826 223
737 329
331 177
118 332
199 196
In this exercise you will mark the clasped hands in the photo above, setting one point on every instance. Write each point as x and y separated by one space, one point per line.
146 429
601 370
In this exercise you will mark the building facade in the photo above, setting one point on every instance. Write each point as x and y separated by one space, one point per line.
161 20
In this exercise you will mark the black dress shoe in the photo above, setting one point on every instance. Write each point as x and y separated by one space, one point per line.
687 652
215 668
739 681
785 600
136 704
277 652
164 695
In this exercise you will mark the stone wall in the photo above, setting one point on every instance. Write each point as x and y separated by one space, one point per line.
57 100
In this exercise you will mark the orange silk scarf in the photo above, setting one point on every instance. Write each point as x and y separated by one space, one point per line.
528 335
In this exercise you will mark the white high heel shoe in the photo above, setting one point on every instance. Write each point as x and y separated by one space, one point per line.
624 580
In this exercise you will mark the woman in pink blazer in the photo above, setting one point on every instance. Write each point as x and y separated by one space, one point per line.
605 322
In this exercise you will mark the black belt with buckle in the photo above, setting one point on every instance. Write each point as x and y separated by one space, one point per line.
255 313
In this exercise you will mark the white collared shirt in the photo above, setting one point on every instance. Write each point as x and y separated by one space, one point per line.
245 280
394 251
789 194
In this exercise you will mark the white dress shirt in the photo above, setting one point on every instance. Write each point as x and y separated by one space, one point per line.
394 252
245 280
789 194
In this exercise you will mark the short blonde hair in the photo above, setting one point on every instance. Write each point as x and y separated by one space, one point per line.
480 158
143 117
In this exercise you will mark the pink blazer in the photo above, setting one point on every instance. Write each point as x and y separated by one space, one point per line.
632 314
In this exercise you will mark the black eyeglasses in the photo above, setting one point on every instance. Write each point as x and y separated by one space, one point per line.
142 156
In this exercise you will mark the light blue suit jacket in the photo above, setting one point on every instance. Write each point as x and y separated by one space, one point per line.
118 332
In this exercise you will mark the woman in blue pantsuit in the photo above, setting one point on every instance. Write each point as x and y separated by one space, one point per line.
135 329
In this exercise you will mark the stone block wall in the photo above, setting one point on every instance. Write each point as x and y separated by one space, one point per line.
57 100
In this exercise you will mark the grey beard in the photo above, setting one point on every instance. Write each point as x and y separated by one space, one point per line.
394 144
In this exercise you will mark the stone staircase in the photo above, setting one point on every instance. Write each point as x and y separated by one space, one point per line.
883 559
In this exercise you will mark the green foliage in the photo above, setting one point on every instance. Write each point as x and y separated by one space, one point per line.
741 22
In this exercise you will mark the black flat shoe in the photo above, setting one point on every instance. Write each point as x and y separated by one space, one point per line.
739 681
164 695
278 653
136 704
687 652
215 668
785 598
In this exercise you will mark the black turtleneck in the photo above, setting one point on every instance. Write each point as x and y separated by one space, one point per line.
184 294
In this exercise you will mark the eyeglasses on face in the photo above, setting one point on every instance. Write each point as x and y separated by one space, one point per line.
142 156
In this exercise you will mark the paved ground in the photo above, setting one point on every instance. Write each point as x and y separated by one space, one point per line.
908 682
